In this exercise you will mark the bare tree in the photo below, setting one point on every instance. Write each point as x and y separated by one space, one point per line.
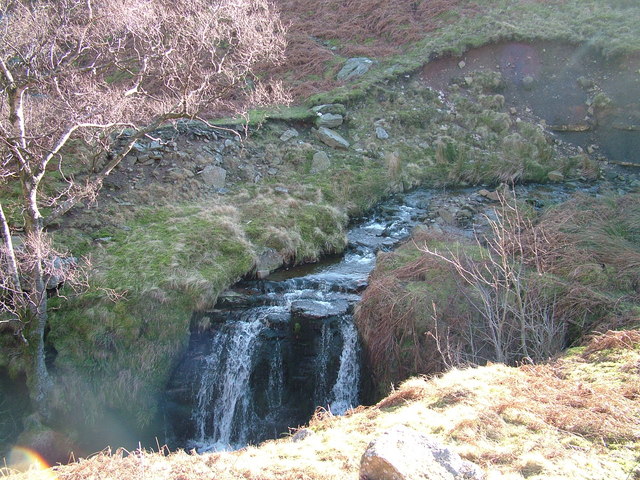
84 71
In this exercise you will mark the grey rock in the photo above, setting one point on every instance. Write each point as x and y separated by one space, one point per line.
59 269
329 120
320 162
138 147
214 176
281 190
493 196
448 215
268 260
289 134
381 133
272 171
402 453
331 138
316 310
302 434
262 274
354 67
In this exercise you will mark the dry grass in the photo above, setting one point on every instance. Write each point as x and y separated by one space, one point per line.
321 33
570 419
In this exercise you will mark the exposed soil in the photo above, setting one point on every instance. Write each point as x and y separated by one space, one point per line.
586 99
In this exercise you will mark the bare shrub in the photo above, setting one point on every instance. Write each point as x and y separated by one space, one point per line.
403 333
610 340
517 312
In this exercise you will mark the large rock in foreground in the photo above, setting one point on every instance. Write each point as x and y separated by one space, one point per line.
402 453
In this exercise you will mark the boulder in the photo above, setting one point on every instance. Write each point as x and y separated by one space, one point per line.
331 138
329 120
402 453
320 162
289 134
214 176
354 67
381 133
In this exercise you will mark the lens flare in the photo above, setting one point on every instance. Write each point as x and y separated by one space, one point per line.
23 459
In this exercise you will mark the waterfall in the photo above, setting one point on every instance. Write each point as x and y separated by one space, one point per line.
282 346
345 390
223 398
322 363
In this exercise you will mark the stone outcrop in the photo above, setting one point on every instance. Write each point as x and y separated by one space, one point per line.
213 176
289 134
331 138
329 120
402 453
354 67
320 162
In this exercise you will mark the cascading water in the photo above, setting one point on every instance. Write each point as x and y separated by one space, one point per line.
223 398
345 390
274 350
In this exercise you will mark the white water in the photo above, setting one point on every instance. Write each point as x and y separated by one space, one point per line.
322 362
345 390
223 397
276 378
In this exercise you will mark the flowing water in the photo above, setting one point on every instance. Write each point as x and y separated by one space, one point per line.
274 350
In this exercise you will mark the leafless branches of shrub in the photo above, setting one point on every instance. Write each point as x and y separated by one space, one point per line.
518 317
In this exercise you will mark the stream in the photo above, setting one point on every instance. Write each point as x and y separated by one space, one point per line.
273 350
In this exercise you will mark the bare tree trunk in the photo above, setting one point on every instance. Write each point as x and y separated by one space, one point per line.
12 265
39 380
